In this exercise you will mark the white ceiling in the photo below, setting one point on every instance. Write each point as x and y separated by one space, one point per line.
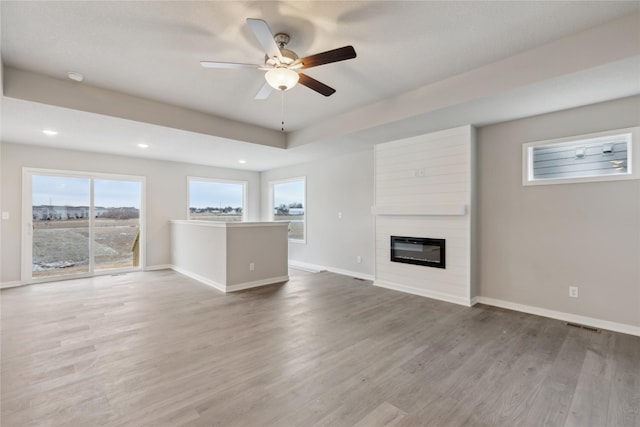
421 66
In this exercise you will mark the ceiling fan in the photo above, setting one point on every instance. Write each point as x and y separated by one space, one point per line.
282 65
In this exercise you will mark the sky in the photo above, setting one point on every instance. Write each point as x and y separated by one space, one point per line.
204 194
288 192
69 191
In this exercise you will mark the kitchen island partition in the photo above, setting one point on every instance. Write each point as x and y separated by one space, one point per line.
230 256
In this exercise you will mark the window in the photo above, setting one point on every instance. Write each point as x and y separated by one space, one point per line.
217 199
602 156
81 224
288 203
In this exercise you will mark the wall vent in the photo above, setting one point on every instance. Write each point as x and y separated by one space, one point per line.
588 328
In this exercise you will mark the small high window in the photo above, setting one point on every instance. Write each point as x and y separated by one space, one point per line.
217 199
596 157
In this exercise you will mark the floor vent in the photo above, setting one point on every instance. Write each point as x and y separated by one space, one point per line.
588 328
360 279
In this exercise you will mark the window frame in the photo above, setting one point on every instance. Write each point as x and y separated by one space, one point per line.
26 252
245 186
272 184
633 158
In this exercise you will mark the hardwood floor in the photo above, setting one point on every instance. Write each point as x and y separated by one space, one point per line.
159 349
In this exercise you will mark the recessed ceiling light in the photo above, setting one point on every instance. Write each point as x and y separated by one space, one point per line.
242 161
49 132
143 145
75 76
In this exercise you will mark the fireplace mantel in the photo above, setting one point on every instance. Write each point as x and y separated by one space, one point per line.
424 210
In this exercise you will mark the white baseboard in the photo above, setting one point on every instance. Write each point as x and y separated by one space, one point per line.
559 315
314 268
158 267
248 285
230 288
424 293
13 284
305 266
201 279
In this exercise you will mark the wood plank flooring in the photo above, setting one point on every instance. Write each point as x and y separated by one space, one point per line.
159 349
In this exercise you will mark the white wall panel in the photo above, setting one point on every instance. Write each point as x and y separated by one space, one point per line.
423 171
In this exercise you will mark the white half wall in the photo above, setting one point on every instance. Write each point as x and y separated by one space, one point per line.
166 193
338 184
230 255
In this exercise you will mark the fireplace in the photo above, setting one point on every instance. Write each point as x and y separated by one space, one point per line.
418 250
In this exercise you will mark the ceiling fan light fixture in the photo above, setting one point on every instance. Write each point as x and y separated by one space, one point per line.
281 78
282 64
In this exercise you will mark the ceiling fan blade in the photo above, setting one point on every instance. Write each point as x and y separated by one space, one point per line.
335 55
265 37
211 64
264 92
313 84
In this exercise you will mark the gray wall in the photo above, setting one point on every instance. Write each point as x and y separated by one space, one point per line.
200 250
535 242
339 184
166 195
265 247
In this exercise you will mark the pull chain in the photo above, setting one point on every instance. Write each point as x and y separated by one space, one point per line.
282 129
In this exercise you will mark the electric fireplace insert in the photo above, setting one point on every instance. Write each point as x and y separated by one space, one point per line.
418 250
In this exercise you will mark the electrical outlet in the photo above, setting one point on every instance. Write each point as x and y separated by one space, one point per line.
252 266
5 215
359 259
339 215
573 291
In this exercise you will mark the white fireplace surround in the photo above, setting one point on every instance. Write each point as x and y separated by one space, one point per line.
436 209
424 187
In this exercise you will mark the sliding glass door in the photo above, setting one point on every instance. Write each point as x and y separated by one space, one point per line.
116 228
60 213
80 224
